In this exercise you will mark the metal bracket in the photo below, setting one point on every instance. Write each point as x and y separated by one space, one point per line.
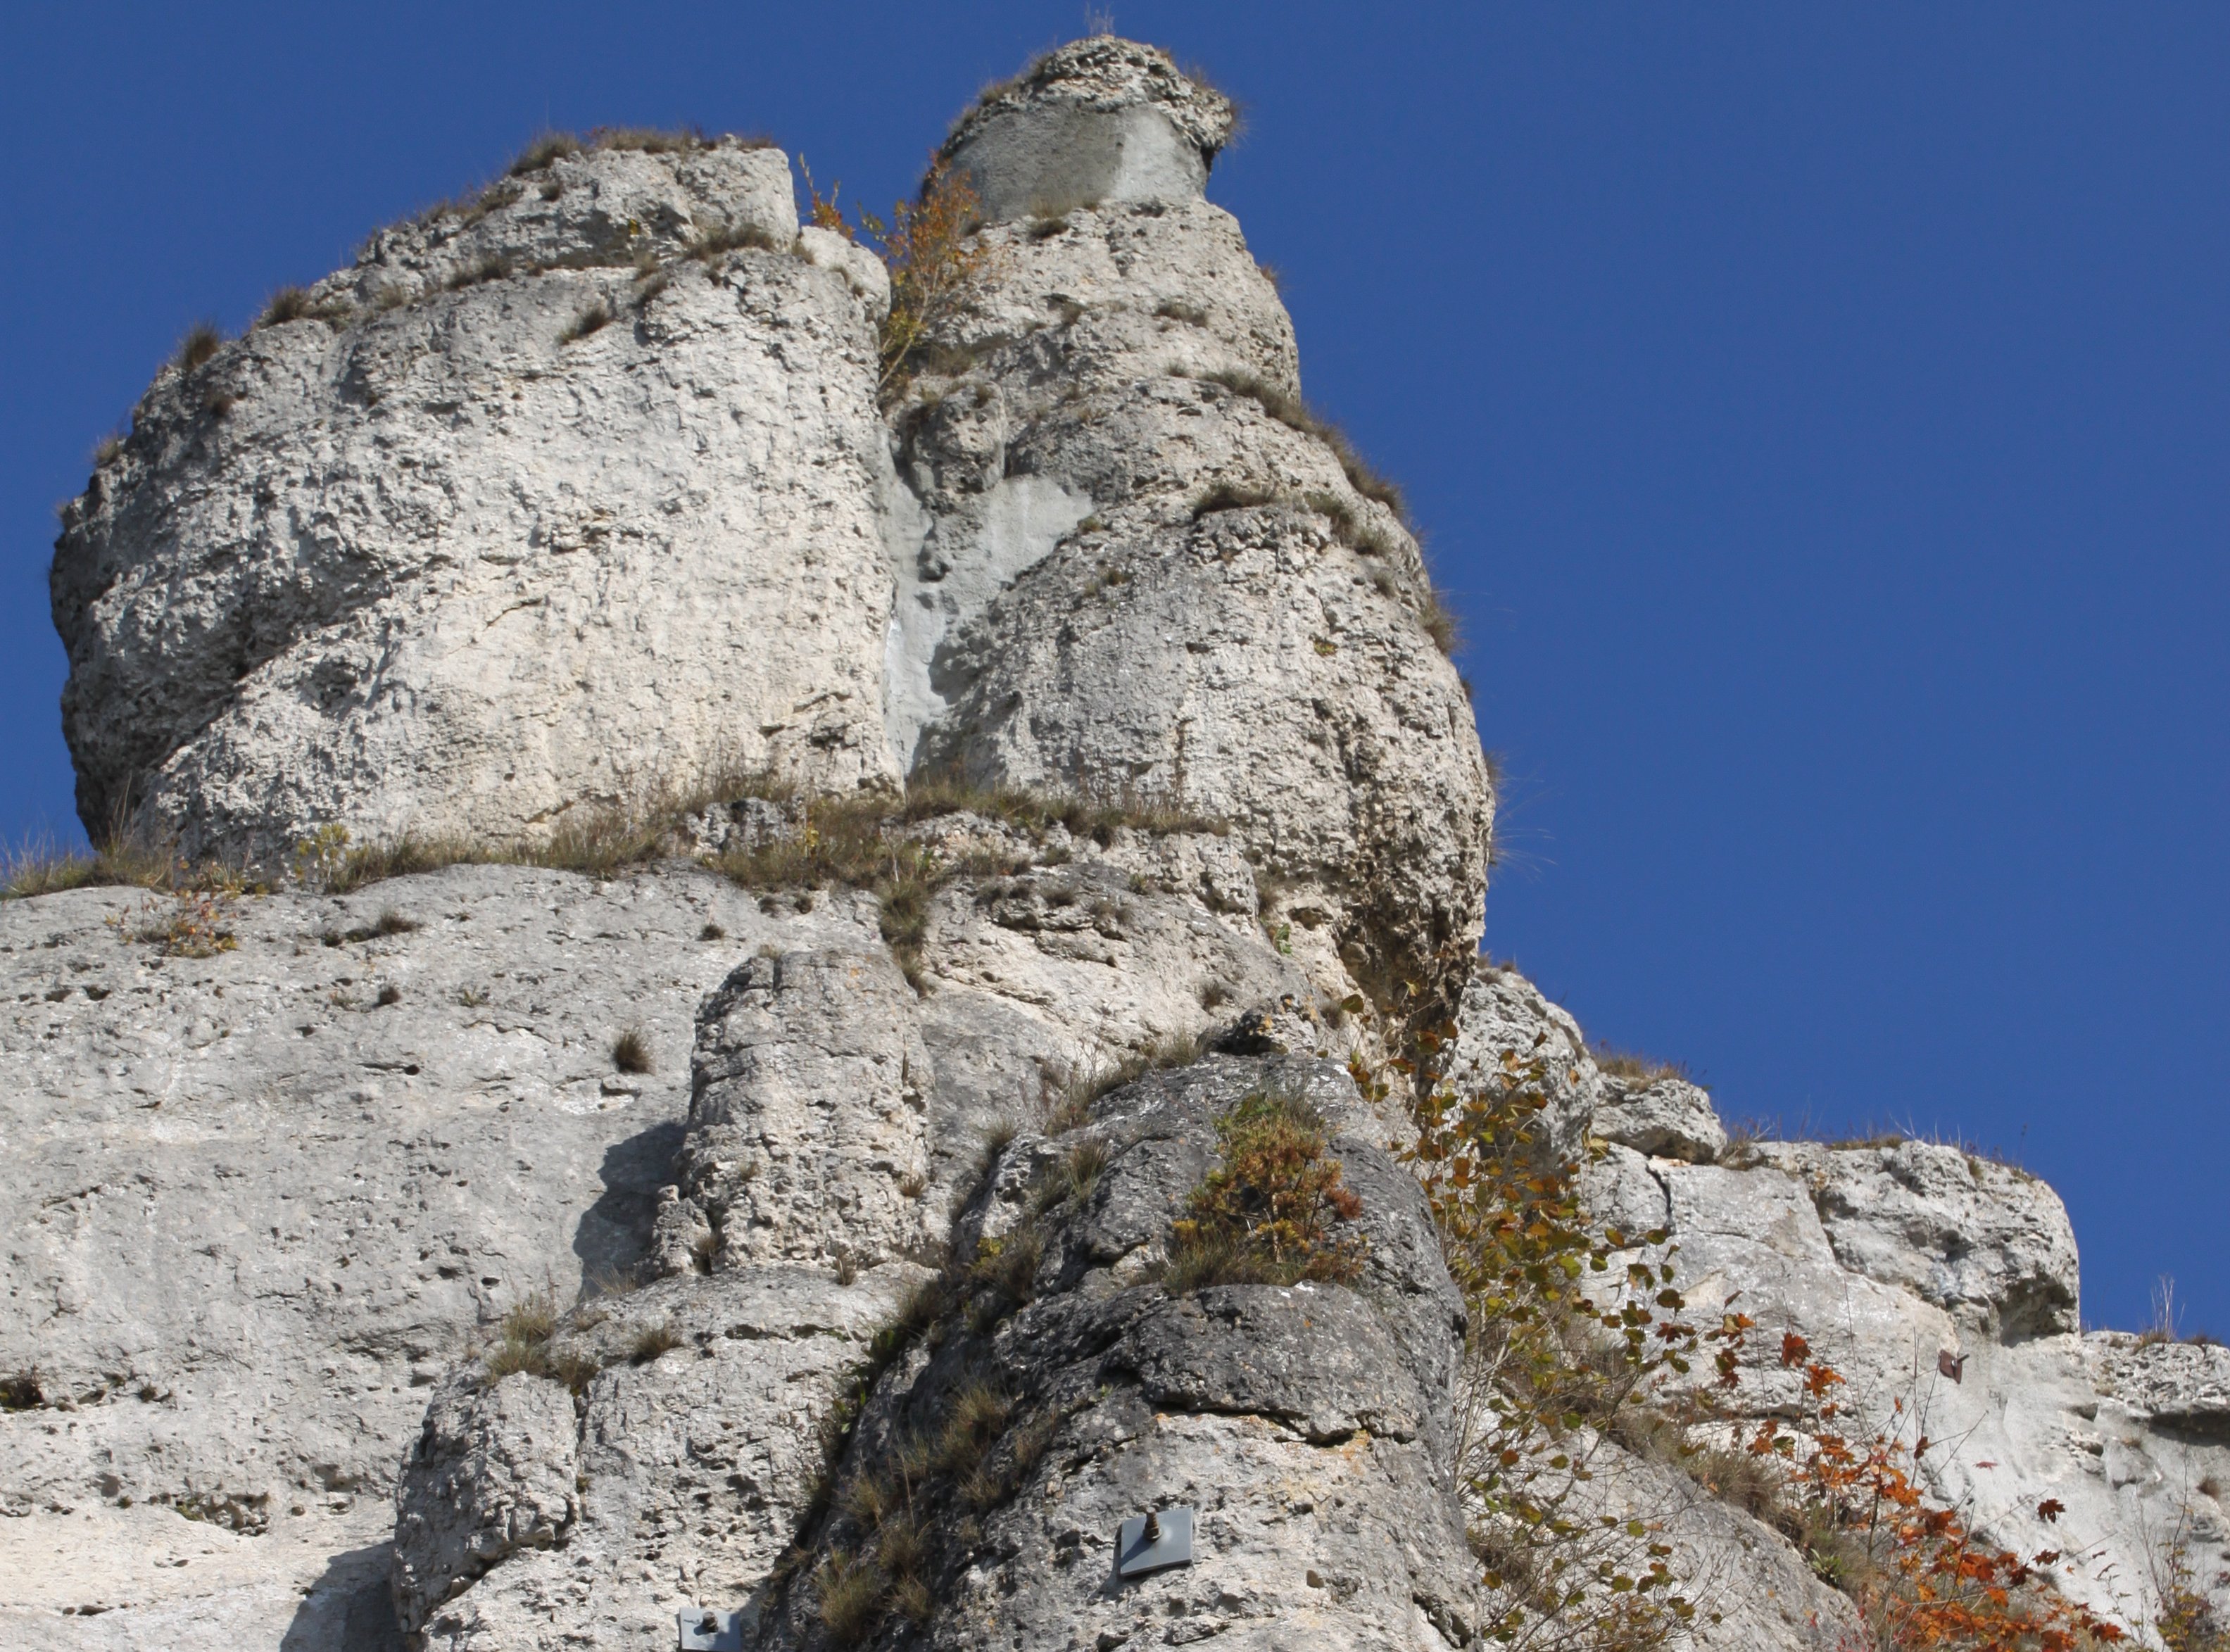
1147 1543
707 1629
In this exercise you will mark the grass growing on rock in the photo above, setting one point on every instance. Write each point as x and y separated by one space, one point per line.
1274 1211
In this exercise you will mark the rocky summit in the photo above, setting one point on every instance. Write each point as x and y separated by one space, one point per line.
788 933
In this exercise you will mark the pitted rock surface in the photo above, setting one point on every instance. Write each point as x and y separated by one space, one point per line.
254 1213
451 570
1301 1423
567 498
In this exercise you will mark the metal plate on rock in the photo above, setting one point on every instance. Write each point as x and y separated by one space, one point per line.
1137 1554
705 1630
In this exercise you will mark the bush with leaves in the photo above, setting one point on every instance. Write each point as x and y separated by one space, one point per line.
1566 1342
1919 1576
1574 1339
930 247
1273 1209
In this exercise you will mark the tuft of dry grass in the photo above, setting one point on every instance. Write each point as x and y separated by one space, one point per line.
202 341
1068 1106
972 1425
719 238
1635 1067
652 1341
1440 624
297 304
848 1592
631 1052
593 318
545 148
525 1346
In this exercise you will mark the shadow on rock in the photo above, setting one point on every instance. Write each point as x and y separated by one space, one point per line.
614 1232
349 1609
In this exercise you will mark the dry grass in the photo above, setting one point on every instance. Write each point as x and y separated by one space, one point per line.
545 148
202 341
1275 1210
631 1052
593 318
297 304
526 1332
39 868
977 1415
849 1595
652 1341
1635 1067
1290 410
1067 1105
717 238
1226 497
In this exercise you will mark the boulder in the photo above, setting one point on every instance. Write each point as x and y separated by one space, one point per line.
504 531
1664 1117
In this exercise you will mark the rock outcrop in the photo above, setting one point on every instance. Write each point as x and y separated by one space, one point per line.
508 1257
554 500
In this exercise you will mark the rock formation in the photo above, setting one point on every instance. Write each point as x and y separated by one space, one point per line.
502 1256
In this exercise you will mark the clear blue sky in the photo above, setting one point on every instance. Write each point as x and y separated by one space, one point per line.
1820 416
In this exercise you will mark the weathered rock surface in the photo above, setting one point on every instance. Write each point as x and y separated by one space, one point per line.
1308 1427
1505 1032
451 570
596 486
1663 1117
252 1212
686 1470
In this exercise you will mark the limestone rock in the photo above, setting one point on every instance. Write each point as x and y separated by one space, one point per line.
1140 568
254 1211
1099 119
805 1114
1751 1589
1666 1118
492 1471
1506 1032
462 569
692 1459
1305 1425
1989 1243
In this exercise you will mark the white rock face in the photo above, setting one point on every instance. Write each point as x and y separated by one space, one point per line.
451 570
438 556
1505 1033
252 1213
1666 1118
1101 119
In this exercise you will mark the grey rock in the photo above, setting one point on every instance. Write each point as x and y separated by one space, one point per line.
690 1469
1099 119
1292 1420
2176 1386
1506 1033
253 1214
1750 1586
424 575
1990 1243
493 1471
1620 1190
1666 1118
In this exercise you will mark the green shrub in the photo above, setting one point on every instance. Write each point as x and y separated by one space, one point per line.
1274 1209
